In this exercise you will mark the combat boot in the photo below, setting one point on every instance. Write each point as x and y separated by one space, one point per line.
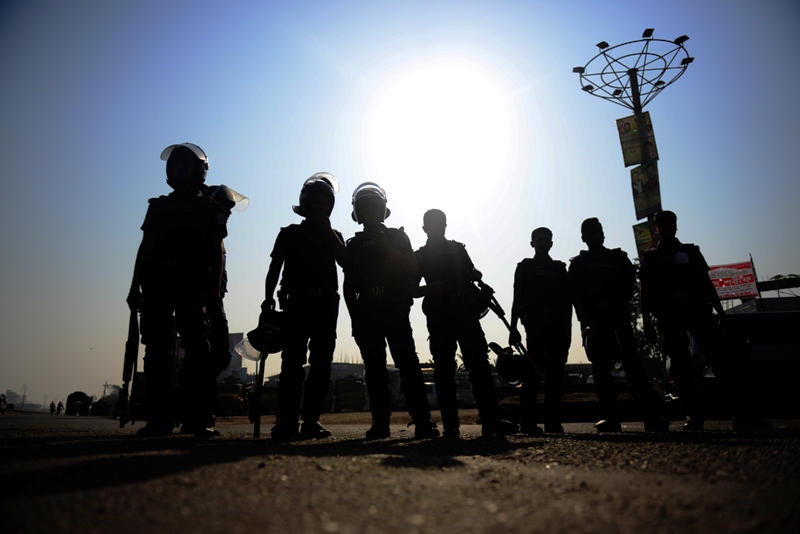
553 428
378 430
283 431
693 425
313 430
425 430
499 428
531 429
608 425
656 424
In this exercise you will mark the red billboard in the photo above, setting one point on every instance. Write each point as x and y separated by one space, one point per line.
734 281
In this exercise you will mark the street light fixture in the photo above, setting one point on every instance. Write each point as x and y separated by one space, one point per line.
631 74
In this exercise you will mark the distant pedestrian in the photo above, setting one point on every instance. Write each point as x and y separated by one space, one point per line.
59 408
52 407
378 277
602 281
452 322
542 303
678 292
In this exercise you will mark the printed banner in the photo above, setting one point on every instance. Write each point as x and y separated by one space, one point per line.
646 189
734 281
645 239
632 143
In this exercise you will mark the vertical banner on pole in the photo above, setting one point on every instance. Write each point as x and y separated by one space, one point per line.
633 141
646 189
645 239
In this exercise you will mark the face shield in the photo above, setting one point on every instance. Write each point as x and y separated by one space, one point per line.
229 197
369 192
191 146
323 177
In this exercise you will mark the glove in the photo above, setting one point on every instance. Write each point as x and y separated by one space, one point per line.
514 337
134 299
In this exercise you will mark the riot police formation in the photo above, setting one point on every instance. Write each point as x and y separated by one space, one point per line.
542 303
602 282
453 321
180 279
309 297
178 274
378 277
678 292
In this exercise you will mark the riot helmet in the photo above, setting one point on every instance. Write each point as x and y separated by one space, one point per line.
368 193
321 183
268 336
509 365
228 198
187 165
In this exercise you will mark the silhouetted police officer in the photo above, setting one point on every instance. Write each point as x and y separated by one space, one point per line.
602 282
309 296
380 271
178 272
225 199
541 301
678 292
453 320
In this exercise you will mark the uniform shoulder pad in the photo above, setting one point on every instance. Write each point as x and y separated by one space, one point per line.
397 233
580 258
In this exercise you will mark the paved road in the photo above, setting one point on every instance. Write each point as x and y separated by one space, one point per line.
76 474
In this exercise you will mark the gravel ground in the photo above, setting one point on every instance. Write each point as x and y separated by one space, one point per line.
79 474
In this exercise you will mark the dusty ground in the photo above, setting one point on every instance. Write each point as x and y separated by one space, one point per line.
62 474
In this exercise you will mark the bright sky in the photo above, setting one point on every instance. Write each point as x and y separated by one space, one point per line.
467 106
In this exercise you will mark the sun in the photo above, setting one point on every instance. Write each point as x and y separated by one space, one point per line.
440 132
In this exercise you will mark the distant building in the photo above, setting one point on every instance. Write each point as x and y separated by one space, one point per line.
12 397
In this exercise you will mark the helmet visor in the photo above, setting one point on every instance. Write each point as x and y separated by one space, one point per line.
369 189
239 201
325 177
191 146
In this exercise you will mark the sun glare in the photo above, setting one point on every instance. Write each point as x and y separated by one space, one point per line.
440 130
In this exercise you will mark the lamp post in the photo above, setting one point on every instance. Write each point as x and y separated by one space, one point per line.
631 74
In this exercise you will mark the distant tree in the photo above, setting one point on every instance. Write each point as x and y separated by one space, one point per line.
646 349
113 397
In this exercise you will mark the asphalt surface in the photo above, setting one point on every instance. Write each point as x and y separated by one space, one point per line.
84 474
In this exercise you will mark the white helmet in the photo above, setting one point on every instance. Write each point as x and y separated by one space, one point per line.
369 191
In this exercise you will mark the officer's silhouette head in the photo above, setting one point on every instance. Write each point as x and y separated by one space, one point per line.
187 166
317 196
434 224
542 240
665 224
369 205
592 233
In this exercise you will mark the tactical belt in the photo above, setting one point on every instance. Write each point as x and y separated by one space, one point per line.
312 292
380 291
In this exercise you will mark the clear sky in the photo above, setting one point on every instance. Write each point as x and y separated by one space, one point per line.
467 106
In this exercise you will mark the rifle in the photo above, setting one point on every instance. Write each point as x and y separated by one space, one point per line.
498 310
129 366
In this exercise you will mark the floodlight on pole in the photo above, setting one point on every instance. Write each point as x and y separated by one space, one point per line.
631 74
